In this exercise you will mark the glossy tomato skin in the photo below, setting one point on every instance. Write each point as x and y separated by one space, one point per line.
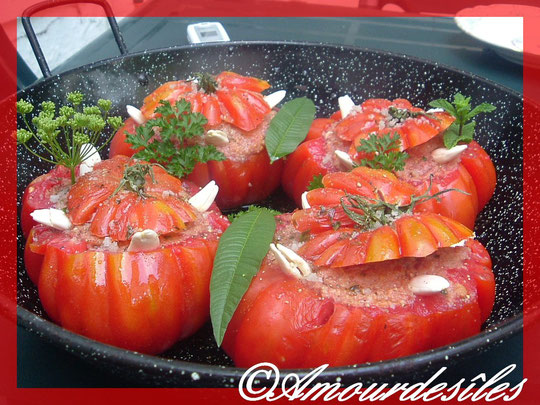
301 166
482 171
38 195
118 145
290 323
142 301
88 280
240 182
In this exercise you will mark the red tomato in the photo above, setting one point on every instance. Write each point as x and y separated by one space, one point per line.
306 162
238 108
39 192
240 183
344 316
416 235
91 283
315 156
482 171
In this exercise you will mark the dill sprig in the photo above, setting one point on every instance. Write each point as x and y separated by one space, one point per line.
65 134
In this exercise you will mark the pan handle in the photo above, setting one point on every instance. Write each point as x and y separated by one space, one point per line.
54 3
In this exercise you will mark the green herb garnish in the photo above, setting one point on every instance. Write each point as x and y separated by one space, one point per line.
168 145
241 250
401 114
289 127
316 182
461 129
205 82
249 209
134 179
63 135
377 212
385 150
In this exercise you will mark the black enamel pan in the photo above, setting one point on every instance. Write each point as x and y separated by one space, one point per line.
321 72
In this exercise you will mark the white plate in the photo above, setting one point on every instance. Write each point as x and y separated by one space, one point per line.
502 30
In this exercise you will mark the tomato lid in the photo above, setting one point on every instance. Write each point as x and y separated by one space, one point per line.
122 196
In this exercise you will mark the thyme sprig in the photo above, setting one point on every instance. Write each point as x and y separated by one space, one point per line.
402 114
378 212
205 82
134 179
65 135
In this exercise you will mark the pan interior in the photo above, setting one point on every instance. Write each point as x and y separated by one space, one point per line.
322 73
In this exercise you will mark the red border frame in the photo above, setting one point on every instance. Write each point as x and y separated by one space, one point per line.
9 394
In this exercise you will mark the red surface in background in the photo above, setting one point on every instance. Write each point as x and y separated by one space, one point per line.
9 394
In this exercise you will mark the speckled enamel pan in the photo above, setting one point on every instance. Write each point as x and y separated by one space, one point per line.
323 73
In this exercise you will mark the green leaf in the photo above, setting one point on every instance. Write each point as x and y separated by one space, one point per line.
482 108
289 127
385 152
177 124
445 105
241 250
316 182
461 129
452 135
249 209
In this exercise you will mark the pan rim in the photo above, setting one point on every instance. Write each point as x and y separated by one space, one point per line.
486 338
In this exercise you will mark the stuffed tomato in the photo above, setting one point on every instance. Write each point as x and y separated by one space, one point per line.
336 144
381 295
125 254
238 117
325 208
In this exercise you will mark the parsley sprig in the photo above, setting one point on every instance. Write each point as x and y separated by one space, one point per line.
65 134
461 129
385 152
176 125
316 182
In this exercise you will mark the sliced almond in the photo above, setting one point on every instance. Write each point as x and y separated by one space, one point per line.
216 137
136 114
428 284
290 262
443 155
52 217
346 104
275 98
92 157
305 203
344 159
205 197
143 241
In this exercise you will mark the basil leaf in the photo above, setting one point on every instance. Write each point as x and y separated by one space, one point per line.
289 127
241 250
